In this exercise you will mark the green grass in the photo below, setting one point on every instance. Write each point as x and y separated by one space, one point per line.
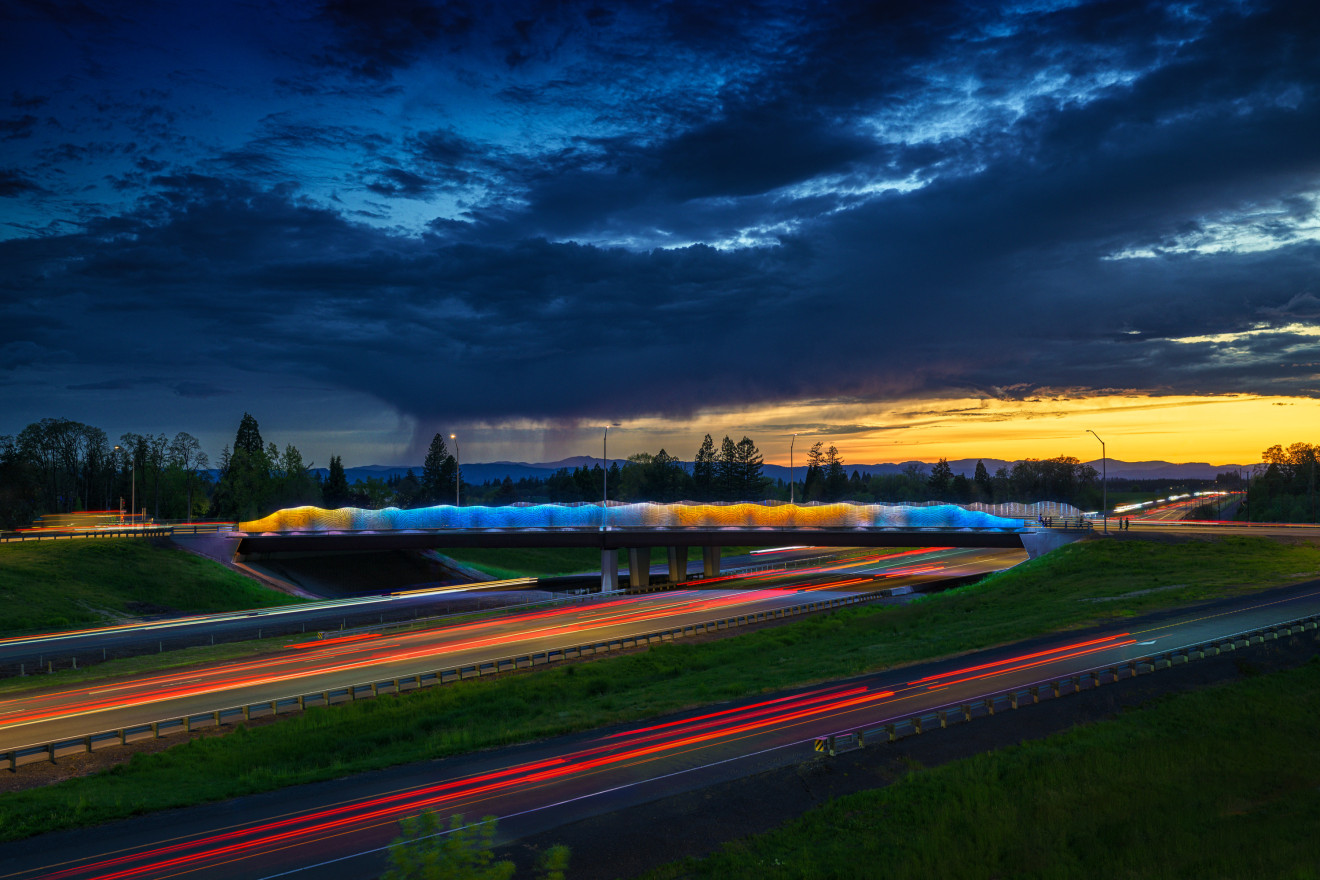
50 585
1223 782
553 561
1037 597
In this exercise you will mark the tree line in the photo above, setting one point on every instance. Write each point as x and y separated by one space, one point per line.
63 466
1283 487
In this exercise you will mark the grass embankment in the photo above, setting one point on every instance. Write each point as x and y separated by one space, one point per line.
1036 597
553 561
51 585
1223 782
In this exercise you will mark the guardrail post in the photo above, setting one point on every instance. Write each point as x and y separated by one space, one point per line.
1035 693
893 733
1012 700
1095 679
1054 685
944 718
967 711
50 750
989 705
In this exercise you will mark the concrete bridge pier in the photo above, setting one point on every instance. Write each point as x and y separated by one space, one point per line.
639 567
609 571
677 564
710 558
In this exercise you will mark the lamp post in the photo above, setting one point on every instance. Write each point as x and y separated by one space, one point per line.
1104 478
458 472
790 469
605 492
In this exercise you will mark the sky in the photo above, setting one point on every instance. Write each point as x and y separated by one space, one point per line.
912 230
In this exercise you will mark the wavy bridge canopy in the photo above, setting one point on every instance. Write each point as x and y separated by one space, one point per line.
644 515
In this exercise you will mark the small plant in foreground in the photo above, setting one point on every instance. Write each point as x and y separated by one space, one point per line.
428 851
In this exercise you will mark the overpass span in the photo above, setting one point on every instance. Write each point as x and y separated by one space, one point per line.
638 528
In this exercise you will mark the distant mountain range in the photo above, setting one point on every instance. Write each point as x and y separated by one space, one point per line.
481 472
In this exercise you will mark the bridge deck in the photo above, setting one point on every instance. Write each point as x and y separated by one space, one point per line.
618 539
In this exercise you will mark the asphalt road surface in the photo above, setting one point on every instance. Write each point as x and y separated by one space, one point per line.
310 665
340 829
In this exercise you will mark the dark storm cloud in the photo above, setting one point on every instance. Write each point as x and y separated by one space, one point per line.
14 183
377 37
858 201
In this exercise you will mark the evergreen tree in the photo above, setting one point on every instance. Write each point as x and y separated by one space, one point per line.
836 479
335 490
941 480
984 487
703 471
246 482
727 477
751 485
438 472
813 484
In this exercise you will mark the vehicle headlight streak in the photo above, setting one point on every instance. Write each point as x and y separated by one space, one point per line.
631 747
638 746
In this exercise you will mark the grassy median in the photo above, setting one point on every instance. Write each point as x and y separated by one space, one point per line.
1224 782
54 585
1056 592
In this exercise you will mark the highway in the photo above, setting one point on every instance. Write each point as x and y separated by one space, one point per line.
339 829
310 665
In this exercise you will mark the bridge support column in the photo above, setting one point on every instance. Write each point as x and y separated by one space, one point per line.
710 558
639 567
609 571
677 564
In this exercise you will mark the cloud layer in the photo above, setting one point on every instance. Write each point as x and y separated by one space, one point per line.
569 211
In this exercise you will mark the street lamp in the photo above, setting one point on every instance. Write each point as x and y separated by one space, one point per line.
132 472
605 492
458 475
1104 478
790 468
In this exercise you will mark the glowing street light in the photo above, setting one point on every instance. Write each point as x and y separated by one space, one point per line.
458 475
790 468
1104 478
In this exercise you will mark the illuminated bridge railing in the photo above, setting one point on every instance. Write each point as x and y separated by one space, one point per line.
644 515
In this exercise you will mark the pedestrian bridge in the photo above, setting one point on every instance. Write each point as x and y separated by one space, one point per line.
640 527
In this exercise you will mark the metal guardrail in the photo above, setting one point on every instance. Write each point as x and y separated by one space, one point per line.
139 532
1088 679
50 750
155 531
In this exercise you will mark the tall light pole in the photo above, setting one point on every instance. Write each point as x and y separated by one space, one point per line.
790 469
605 492
1104 478
121 497
458 472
